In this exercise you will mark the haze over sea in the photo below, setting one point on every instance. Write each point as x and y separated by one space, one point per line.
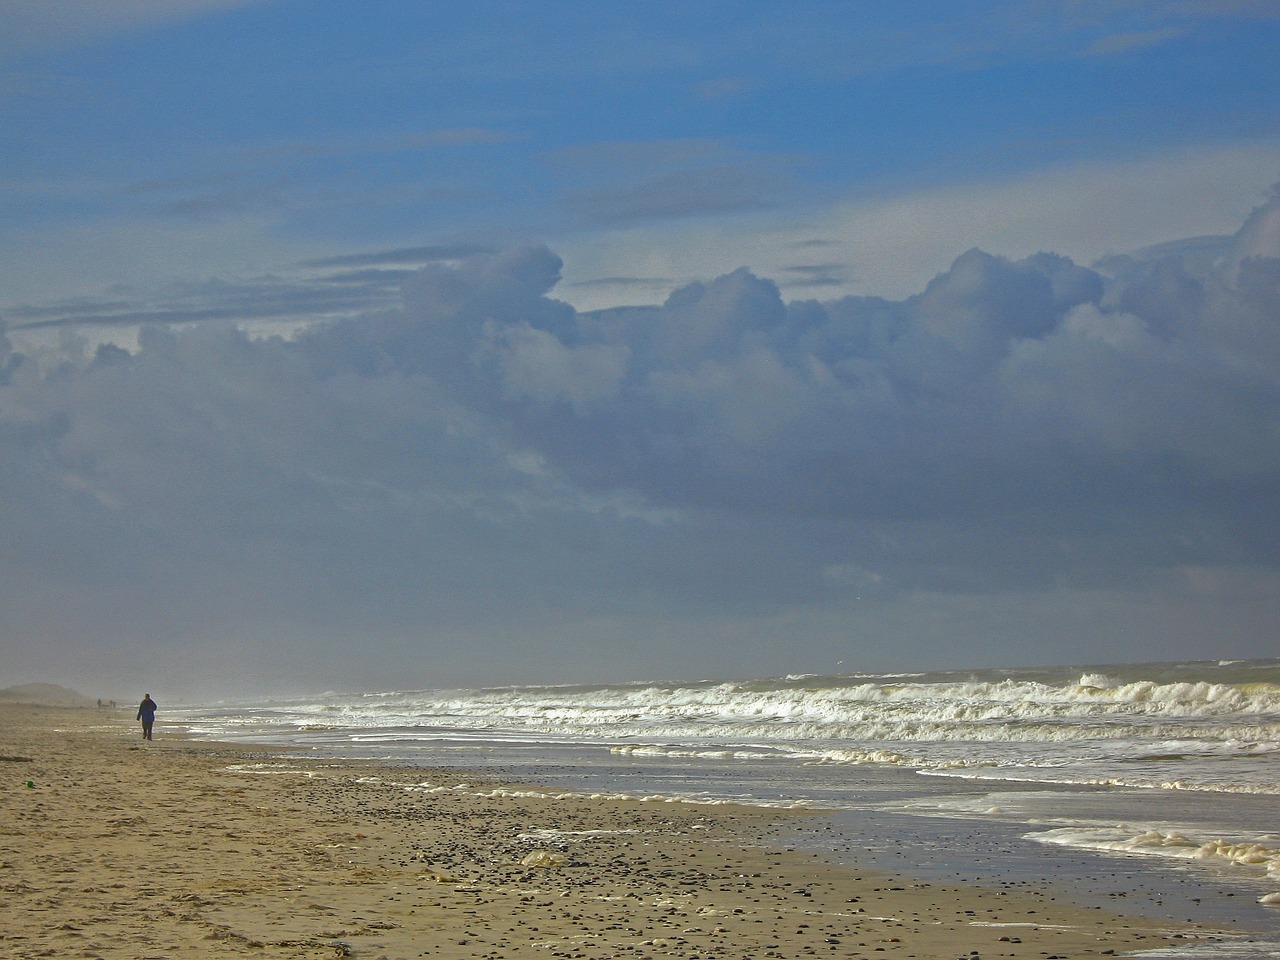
1148 786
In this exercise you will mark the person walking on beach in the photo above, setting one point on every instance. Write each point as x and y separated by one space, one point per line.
147 714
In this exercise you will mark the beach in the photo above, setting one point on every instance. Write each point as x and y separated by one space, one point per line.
114 847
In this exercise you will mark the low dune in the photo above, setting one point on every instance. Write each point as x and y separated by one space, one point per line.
44 695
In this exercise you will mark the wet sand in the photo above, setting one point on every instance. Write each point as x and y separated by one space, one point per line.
129 849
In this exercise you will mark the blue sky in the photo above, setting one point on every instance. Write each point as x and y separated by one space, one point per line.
677 328
257 134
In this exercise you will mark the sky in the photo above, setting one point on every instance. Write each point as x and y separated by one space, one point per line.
419 345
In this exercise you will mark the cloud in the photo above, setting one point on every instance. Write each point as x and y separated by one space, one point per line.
1124 42
140 255
534 364
1032 392
314 290
299 301
482 461
891 246
817 275
212 197
31 26
375 144
404 256
617 183
709 188
723 88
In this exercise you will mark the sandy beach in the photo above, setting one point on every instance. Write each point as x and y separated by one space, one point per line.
114 847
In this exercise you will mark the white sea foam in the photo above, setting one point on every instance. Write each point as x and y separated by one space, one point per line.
1215 948
1205 726
1260 854
1080 751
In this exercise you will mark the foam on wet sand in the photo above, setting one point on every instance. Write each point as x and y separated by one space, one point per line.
126 849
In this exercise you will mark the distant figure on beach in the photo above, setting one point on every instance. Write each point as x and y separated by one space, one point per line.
147 714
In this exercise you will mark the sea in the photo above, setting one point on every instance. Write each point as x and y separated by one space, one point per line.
1149 788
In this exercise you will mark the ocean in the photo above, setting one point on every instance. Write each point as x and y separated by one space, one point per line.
1151 788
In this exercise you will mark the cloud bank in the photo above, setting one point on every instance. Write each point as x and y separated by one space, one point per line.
480 483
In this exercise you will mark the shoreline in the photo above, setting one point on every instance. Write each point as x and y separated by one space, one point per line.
177 847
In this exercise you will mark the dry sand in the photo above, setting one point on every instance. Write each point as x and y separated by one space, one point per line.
177 849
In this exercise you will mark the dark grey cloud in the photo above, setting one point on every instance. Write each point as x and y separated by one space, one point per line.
401 256
479 477
644 283
679 194
1030 403
326 295
818 274
213 196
